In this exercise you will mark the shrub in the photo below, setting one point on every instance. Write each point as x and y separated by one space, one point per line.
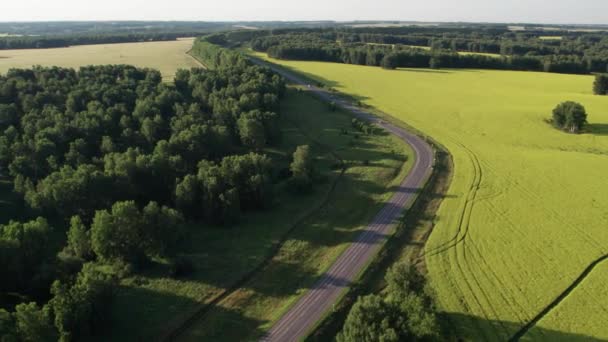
569 116
600 86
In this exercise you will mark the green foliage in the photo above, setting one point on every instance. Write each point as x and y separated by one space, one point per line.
569 116
302 169
82 310
130 235
58 124
363 126
33 324
405 312
600 85
252 132
218 192
24 256
8 332
369 320
79 239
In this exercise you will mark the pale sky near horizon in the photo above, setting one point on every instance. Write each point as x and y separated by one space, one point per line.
537 11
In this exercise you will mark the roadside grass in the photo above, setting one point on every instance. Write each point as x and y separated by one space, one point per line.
167 56
313 247
149 303
526 210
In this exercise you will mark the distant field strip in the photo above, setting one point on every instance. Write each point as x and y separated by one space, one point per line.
167 57
527 210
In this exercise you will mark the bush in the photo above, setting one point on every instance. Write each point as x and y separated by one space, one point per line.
600 86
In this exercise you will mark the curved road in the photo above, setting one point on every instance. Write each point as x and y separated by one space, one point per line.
301 318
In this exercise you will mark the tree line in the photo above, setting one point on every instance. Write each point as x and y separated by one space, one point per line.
573 53
123 164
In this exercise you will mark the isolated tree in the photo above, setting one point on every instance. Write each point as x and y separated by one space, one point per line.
302 169
569 116
600 86
302 165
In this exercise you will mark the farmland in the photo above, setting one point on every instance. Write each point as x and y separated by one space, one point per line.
526 212
164 56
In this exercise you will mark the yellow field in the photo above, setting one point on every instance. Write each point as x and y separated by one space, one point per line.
164 56
527 211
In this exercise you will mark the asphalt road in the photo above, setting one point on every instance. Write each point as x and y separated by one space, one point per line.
302 317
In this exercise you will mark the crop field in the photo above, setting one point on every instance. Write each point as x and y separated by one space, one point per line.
167 57
527 210
222 257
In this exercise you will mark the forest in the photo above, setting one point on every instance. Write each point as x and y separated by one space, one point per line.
156 155
570 52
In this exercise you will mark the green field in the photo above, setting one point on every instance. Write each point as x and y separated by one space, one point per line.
527 209
223 255
164 56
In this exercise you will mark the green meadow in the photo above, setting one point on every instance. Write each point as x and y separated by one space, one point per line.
527 209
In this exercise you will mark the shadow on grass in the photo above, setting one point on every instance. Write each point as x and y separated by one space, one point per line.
225 325
145 305
597 129
461 327
427 71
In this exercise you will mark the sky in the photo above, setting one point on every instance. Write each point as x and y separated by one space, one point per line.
511 11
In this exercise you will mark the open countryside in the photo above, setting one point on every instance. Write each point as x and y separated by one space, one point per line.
526 212
356 180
